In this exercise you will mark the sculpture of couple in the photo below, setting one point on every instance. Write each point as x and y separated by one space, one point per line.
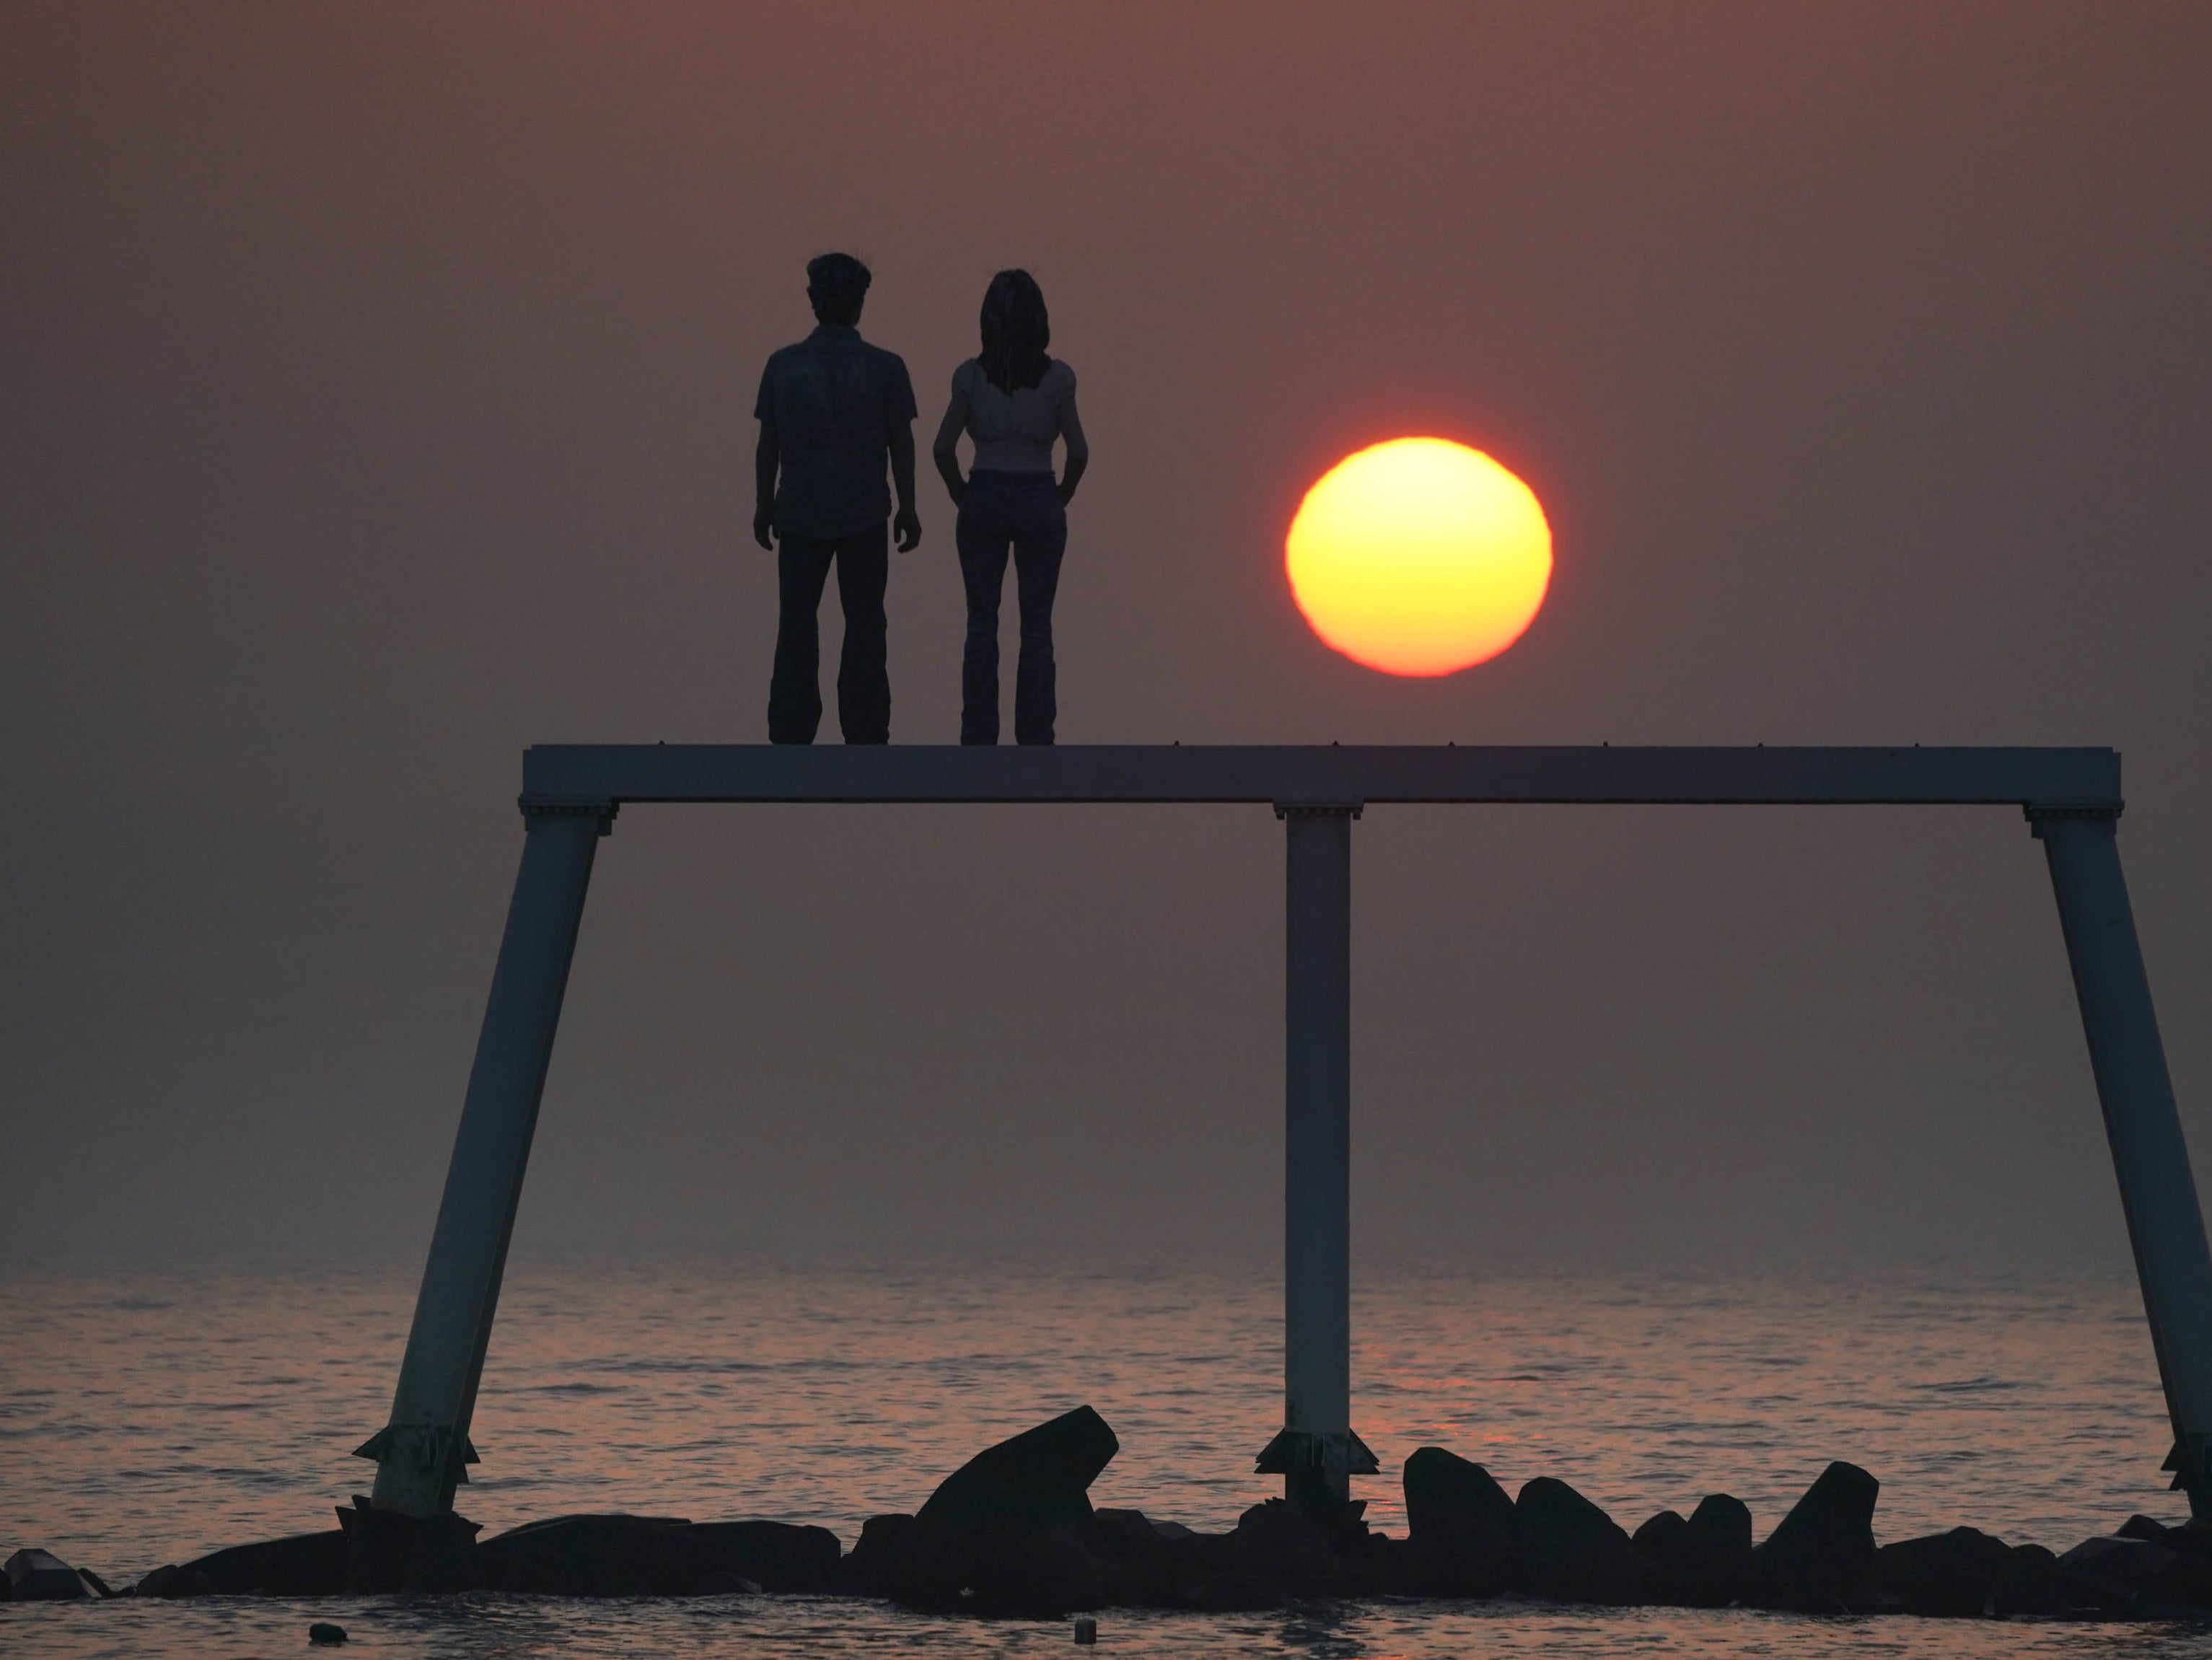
835 415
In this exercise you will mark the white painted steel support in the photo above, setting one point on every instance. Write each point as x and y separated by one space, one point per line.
1316 1452
2165 1225
420 1453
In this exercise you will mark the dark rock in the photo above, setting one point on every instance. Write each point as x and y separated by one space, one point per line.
1165 1565
1719 1563
1003 1533
1449 1499
305 1564
1128 1532
1721 1524
778 1556
1464 1533
1277 1554
877 1556
1030 1573
2141 1579
1140 1556
616 1555
324 1634
1821 1559
2120 1578
1663 1537
1573 1552
2118 1566
1664 1532
1343 1522
1953 1574
1697 1567
1037 1477
39 1576
994 1569
1428 1569
1277 1548
2188 1540
2193 1543
388 1551
1209 1574
2032 1581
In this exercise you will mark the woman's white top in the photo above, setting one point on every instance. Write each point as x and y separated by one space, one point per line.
1014 430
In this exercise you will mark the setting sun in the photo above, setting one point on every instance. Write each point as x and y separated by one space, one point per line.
1419 556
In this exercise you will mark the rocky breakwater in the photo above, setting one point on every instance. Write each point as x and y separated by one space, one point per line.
588 1555
1014 1533
1469 1539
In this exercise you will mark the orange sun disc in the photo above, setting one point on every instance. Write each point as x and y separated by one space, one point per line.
1419 556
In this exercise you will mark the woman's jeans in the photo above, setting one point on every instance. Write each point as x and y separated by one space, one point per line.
1020 510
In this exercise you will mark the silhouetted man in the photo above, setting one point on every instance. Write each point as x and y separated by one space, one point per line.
833 411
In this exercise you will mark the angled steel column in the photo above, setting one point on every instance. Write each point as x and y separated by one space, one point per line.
1316 1452
420 1453
2165 1224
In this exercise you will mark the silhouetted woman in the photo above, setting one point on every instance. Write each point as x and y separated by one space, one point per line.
1013 401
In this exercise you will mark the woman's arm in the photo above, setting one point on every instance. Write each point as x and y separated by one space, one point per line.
1078 449
945 452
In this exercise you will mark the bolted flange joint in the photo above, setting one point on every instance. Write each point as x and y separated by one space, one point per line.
2190 1460
2040 813
540 807
1349 807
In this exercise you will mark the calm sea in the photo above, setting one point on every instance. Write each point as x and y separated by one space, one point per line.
145 1418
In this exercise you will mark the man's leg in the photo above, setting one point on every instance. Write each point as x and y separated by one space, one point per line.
864 680
794 690
1040 539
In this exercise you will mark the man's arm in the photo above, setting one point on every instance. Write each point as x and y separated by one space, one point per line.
766 459
906 522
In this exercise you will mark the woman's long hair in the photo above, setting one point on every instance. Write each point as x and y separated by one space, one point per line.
1016 331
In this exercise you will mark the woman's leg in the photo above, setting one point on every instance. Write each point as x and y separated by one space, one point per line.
981 536
1040 531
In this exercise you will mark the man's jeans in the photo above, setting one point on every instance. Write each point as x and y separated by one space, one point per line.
864 683
1021 510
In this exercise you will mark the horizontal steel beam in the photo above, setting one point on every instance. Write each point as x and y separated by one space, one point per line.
557 775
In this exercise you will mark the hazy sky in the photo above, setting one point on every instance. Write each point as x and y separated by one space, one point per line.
377 395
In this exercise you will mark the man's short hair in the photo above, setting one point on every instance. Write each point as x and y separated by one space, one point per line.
837 283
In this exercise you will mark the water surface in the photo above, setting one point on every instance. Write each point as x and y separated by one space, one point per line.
146 1418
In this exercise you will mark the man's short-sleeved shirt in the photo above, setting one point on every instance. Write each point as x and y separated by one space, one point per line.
833 401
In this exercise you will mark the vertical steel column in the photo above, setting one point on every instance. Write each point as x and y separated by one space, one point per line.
420 1453
2165 1224
1316 1452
